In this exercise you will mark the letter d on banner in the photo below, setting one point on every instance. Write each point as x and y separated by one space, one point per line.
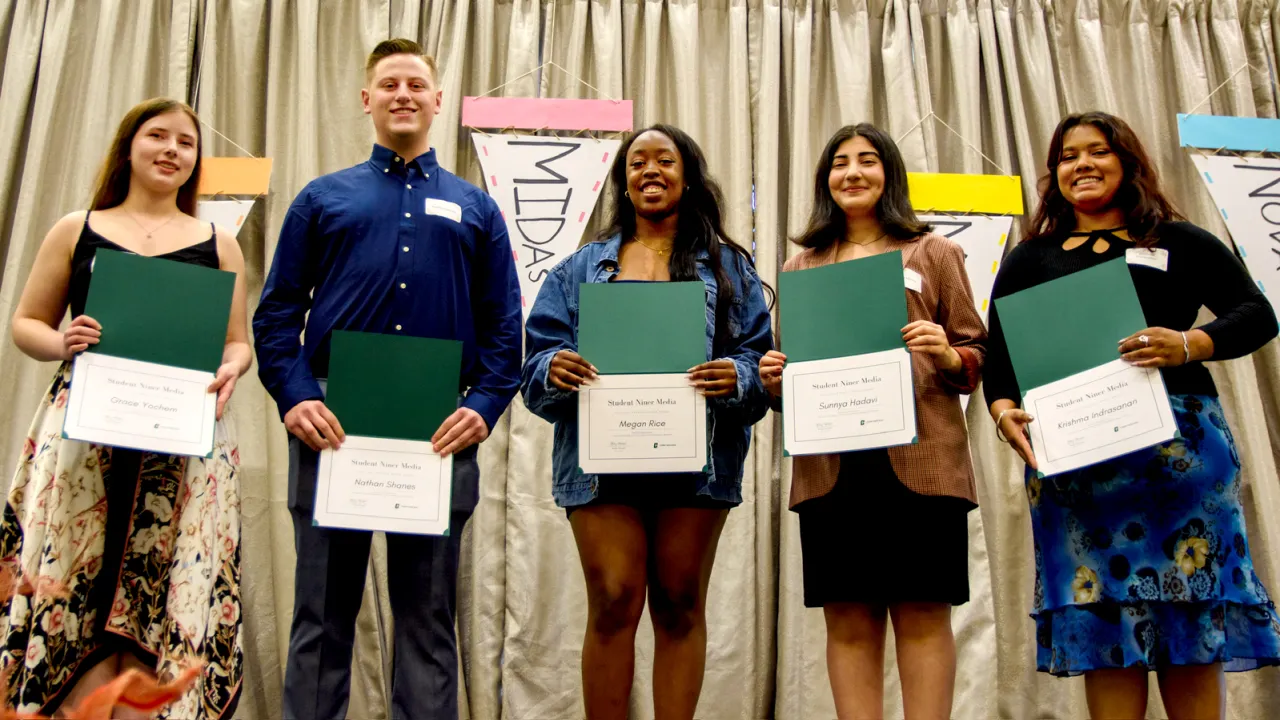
546 188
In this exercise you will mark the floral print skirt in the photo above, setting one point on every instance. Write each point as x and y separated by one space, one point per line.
1143 561
128 552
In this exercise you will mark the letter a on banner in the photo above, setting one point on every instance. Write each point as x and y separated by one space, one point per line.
546 188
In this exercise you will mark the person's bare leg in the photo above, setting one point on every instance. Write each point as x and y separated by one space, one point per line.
1194 692
684 550
613 548
926 659
1119 694
855 659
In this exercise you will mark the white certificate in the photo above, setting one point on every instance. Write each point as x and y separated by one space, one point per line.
398 486
140 405
641 424
849 403
1096 415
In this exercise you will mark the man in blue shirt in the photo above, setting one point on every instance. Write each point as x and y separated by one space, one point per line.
393 245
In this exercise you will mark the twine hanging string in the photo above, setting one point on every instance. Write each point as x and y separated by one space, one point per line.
1207 153
934 116
1224 83
550 63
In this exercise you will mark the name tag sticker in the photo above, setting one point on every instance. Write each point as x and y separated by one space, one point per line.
912 279
444 208
1157 258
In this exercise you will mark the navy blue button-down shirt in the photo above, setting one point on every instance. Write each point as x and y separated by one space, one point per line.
391 246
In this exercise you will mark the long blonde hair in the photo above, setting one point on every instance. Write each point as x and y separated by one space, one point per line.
113 179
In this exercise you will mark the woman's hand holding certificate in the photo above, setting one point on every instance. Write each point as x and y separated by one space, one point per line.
1093 398
846 381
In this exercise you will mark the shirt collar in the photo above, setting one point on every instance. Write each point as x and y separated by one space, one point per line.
384 159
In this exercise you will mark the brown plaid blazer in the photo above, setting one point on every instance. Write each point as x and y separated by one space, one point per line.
938 463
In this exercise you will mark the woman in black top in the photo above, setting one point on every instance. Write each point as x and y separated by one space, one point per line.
146 545
1141 561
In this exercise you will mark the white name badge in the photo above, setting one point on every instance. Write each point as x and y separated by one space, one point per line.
444 208
1157 258
912 279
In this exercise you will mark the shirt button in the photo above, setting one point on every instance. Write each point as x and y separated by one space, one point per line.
397 327
386 169
406 248
426 175
403 286
408 187
407 215
397 159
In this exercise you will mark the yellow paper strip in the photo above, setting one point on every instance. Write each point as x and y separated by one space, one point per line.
961 193
234 176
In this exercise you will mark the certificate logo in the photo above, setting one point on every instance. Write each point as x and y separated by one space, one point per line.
655 446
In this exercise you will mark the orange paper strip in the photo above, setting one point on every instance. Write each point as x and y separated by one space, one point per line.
234 176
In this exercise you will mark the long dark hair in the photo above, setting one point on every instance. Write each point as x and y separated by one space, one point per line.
1144 203
698 225
113 179
827 221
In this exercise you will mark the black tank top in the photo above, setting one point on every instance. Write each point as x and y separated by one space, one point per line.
203 253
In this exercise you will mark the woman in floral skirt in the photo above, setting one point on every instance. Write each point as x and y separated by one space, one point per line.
134 556
1142 562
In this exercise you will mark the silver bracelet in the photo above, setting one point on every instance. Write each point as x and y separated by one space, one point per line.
1186 350
1000 435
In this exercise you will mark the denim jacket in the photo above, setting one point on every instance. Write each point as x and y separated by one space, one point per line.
553 326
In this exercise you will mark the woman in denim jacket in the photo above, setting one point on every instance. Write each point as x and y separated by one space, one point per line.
654 534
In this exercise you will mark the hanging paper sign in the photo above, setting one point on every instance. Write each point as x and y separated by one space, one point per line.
546 188
228 214
983 238
1247 193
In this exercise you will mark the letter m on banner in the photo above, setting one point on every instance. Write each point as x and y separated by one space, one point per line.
546 186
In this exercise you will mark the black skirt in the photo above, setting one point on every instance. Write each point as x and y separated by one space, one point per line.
873 541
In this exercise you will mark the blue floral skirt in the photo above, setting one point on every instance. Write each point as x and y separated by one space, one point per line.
1143 561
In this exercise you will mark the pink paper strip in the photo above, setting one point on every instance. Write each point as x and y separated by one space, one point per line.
546 113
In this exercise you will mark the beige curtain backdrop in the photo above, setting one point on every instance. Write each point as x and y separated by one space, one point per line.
761 84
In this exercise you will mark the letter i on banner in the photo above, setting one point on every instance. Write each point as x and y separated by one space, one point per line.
1246 190
984 207
545 186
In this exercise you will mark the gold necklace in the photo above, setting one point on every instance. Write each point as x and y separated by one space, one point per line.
660 253
879 237
144 227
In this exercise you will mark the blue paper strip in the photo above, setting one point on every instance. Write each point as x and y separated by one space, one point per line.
1243 134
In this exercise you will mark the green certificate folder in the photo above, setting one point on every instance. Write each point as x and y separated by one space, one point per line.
845 309
392 386
635 328
160 311
1066 326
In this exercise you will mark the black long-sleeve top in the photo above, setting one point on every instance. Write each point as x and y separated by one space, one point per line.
1202 271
